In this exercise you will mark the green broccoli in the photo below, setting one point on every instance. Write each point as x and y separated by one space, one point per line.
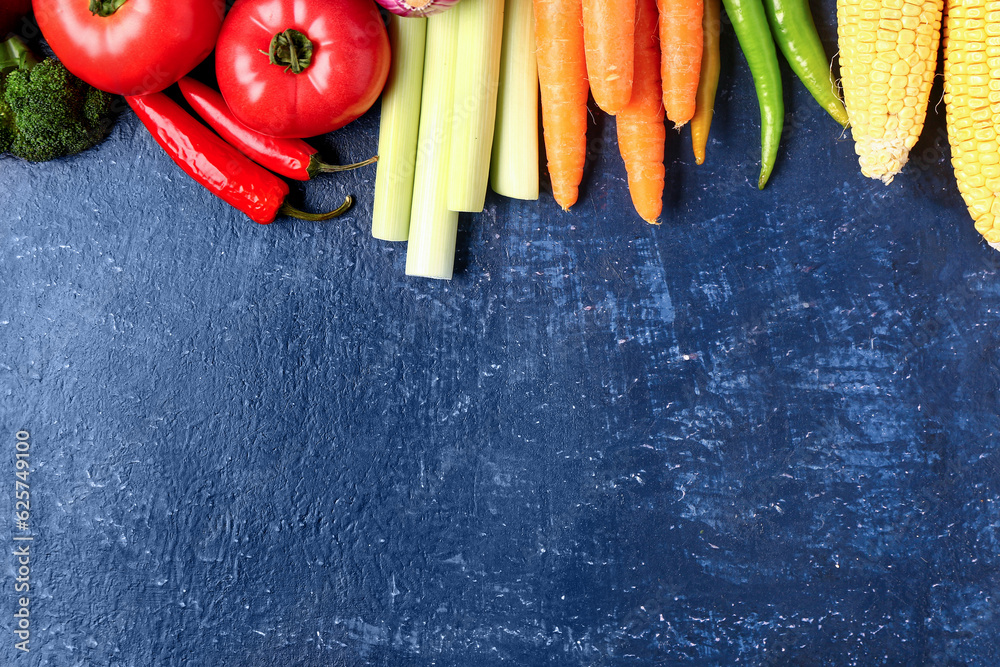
46 112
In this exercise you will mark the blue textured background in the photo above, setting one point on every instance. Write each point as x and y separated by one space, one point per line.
764 433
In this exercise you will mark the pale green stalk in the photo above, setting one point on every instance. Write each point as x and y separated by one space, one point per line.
433 227
397 139
514 171
476 82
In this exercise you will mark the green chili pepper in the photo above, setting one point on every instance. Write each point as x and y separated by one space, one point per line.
750 23
795 33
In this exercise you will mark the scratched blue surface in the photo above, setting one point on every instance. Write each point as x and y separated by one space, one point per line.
764 433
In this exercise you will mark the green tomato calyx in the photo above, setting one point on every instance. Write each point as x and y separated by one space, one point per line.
292 50
105 7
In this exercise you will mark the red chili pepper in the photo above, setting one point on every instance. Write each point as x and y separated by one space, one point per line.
215 164
292 158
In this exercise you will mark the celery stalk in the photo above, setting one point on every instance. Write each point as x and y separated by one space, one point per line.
397 139
433 227
476 81
514 171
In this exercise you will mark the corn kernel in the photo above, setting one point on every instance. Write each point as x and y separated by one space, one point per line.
989 159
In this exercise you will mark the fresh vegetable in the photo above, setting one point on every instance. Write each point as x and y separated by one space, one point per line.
292 158
301 68
641 133
514 170
971 77
219 167
708 82
430 252
11 11
562 76
608 32
130 47
477 75
397 134
750 24
417 7
682 37
46 112
795 32
887 67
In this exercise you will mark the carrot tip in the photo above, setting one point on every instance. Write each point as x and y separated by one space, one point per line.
610 109
699 159
565 206
566 199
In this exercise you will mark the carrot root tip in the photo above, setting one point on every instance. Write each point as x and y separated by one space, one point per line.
566 199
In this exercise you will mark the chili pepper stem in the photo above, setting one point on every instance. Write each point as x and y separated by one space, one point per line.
317 166
292 212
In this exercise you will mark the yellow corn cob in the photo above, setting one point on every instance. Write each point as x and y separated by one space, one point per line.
888 55
972 103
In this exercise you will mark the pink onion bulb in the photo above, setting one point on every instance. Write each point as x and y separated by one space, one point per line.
417 7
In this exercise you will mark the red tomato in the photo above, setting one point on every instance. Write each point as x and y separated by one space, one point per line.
10 12
140 48
343 77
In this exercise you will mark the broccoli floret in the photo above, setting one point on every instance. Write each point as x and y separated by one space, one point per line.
6 125
98 109
50 113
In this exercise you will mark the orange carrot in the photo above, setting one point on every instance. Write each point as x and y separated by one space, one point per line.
641 133
682 36
609 34
562 76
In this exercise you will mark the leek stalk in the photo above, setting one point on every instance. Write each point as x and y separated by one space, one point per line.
397 139
514 170
433 227
476 80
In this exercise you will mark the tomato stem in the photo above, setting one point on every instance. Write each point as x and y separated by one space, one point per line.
289 49
292 212
105 7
